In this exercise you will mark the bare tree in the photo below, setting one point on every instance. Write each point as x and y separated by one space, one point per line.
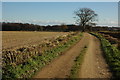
85 16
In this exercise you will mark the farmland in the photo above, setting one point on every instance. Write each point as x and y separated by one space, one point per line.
112 37
43 54
13 39
113 34
60 40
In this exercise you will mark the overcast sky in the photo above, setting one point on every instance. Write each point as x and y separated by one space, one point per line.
44 13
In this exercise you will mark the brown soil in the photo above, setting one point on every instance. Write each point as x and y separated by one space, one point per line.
14 39
94 65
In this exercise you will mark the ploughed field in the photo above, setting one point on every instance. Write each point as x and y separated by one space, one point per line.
13 39
112 37
113 34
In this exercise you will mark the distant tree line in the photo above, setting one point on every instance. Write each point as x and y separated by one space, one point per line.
20 27
63 27
32 27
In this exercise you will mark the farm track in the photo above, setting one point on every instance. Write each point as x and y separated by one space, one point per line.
61 66
93 66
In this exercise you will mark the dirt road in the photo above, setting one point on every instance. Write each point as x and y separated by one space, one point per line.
61 66
93 66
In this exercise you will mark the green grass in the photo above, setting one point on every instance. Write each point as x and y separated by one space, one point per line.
78 62
112 55
36 63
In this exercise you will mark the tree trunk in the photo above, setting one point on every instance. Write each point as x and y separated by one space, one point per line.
83 28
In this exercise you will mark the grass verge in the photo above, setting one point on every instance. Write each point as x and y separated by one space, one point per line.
78 62
112 55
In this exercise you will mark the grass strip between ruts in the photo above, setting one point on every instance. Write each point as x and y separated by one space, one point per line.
78 61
